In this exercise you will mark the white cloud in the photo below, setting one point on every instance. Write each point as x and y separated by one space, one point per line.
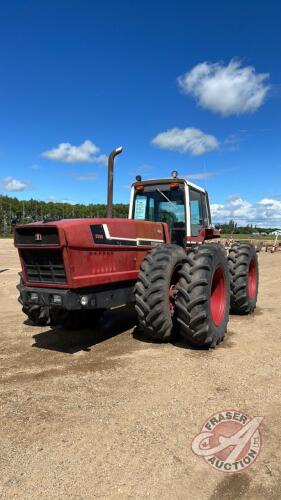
101 159
13 185
191 140
141 169
199 175
144 168
53 199
89 176
206 174
267 212
228 90
231 143
85 153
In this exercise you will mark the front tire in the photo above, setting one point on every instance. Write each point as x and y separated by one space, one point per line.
38 315
203 296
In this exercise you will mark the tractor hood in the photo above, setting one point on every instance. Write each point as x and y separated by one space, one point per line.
86 233
80 253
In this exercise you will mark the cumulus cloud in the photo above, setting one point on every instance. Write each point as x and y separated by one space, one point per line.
228 90
101 159
13 185
188 140
266 212
85 153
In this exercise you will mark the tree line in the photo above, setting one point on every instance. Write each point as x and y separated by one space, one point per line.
232 227
14 211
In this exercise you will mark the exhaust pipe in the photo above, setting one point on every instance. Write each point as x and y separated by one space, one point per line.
111 158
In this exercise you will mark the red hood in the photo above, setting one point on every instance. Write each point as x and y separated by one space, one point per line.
91 251
79 232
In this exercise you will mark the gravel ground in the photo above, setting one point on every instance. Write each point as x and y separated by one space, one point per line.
100 414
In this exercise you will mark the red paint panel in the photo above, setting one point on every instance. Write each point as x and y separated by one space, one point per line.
89 264
205 234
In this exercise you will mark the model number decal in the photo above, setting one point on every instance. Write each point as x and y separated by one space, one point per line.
101 236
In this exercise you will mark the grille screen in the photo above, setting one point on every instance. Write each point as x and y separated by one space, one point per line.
44 267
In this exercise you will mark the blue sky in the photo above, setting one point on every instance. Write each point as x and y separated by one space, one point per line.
108 72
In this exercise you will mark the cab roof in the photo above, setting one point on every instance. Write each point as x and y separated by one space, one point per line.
170 180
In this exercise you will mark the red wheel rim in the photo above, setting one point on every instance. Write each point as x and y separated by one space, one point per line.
172 299
252 279
218 296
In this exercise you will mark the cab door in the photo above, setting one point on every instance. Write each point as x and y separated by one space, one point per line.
199 211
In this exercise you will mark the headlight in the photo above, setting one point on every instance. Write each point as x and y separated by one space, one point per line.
34 297
84 300
56 299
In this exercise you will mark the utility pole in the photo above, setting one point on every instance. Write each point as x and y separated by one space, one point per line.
10 220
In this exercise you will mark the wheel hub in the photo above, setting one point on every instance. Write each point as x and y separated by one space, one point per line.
172 298
218 296
252 279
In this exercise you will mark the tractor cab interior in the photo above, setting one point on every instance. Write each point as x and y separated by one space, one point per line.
163 204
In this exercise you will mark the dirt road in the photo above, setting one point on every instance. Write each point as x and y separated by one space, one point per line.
99 414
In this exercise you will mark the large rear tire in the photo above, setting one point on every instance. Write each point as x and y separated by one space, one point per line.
155 291
203 296
244 278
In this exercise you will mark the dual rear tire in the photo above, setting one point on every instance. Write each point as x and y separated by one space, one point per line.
204 296
244 278
191 293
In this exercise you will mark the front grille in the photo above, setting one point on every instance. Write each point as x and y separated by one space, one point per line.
36 236
44 266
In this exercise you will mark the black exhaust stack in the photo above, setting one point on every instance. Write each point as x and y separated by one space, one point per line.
111 158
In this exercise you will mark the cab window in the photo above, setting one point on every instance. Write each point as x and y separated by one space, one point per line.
196 211
163 205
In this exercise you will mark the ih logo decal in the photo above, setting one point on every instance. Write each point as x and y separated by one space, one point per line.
38 237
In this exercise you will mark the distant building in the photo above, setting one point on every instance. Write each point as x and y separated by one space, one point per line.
276 233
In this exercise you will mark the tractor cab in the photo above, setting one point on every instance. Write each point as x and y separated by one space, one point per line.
181 204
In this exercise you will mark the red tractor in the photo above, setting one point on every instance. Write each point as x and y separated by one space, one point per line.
163 258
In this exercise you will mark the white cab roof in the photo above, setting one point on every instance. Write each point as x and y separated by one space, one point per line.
155 182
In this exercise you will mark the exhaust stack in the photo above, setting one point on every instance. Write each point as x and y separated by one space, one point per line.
111 158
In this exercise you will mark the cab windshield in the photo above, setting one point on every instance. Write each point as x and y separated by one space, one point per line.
162 205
